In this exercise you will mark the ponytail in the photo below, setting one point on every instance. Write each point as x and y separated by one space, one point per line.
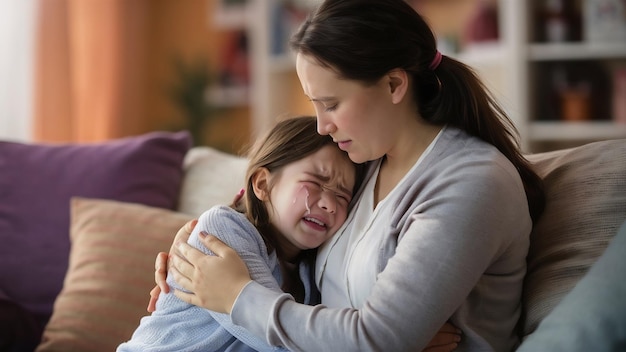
439 97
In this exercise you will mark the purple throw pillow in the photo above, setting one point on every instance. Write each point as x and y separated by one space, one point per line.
19 329
37 182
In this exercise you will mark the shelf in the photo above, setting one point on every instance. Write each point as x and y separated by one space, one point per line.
576 51
282 63
228 97
575 131
482 54
232 16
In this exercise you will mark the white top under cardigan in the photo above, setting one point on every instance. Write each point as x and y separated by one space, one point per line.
454 235
350 285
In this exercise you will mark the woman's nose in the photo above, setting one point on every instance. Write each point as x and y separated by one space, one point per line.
324 125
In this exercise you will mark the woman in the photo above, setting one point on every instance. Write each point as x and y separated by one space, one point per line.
440 230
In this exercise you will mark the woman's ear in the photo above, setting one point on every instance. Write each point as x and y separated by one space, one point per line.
260 181
398 84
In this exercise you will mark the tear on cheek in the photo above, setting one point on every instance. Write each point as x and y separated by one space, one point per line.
303 193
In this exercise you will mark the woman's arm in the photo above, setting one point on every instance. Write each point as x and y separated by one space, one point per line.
441 255
446 339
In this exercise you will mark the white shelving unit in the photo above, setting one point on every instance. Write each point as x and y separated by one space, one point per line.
576 51
274 88
549 131
506 67
502 65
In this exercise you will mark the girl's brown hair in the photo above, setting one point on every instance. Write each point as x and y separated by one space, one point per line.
363 40
288 141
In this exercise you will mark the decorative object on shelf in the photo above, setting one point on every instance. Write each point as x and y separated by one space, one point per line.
556 21
574 99
483 25
575 103
573 91
619 95
233 77
560 21
605 21
286 16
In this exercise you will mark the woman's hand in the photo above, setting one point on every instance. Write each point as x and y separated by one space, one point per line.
447 339
215 280
161 264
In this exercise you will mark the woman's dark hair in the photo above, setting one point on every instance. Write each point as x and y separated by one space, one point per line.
363 40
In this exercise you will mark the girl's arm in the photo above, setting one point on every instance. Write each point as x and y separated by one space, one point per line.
233 229
161 265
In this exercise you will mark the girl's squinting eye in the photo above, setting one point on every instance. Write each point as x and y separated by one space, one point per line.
331 108
343 197
338 194
314 183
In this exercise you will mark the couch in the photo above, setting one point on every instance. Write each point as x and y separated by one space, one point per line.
80 226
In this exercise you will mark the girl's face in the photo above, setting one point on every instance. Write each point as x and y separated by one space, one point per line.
360 118
310 197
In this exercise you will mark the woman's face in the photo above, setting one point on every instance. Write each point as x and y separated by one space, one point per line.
360 118
310 197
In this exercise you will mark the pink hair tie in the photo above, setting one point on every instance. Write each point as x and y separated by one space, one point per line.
436 61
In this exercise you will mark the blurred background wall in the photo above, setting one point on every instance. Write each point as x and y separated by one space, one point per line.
83 71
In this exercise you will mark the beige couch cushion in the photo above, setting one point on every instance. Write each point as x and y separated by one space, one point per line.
110 275
211 177
586 203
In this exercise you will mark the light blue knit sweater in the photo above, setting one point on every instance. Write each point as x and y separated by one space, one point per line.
179 326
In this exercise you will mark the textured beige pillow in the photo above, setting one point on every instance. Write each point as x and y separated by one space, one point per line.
212 177
110 274
586 204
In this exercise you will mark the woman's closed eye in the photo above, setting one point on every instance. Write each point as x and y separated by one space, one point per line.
327 104
330 108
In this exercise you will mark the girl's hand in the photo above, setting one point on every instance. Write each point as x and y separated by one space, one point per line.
161 264
447 339
238 203
215 280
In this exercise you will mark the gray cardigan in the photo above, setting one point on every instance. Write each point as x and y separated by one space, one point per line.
455 247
